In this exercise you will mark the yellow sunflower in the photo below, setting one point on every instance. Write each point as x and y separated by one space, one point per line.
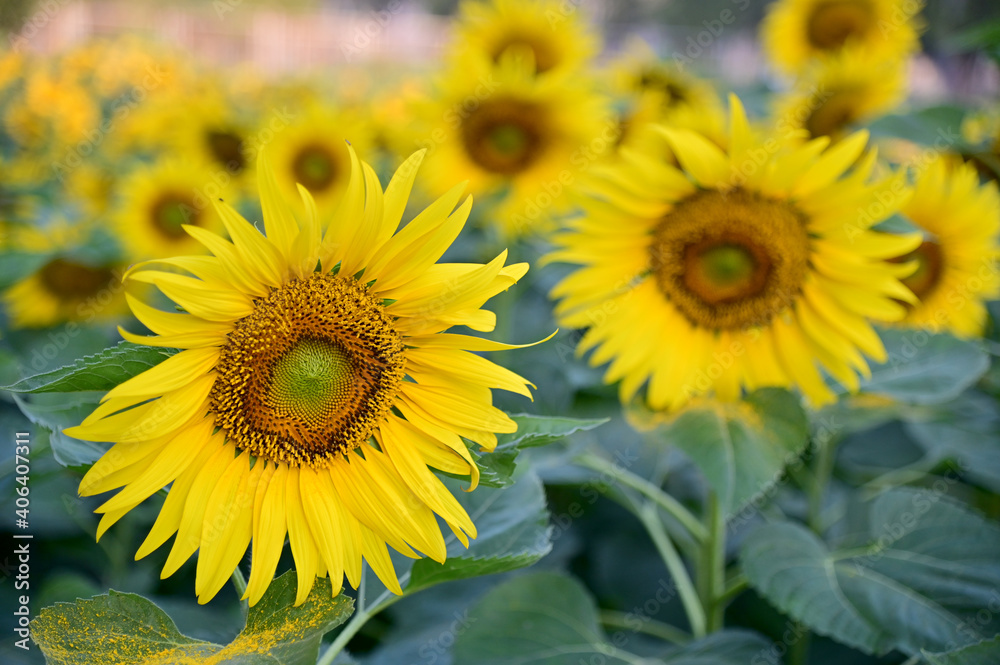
794 32
839 91
551 31
209 129
162 198
314 363
957 261
312 152
519 137
743 268
65 289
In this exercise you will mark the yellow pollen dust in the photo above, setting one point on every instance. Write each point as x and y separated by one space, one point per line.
730 260
310 374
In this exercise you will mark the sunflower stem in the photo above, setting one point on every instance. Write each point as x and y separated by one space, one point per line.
668 503
650 518
664 631
240 584
712 565
816 490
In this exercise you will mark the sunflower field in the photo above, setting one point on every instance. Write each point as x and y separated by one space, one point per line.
500 332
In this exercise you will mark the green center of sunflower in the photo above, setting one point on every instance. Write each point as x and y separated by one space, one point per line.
730 260
226 148
832 23
545 55
314 167
832 115
69 281
930 268
504 136
171 211
310 374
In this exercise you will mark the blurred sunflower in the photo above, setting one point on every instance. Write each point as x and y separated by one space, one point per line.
160 199
981 131
314 388
212 132
517 136
794 32
957 268
62 290
312 152
551 31
838 91
741 269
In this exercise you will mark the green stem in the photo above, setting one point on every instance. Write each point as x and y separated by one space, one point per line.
240 584
682 581
800 649
820 480
712 566
668 503
733 588
664 631
361 616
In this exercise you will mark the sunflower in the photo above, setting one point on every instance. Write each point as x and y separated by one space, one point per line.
314 363
794 32
839 91
981 133
65 289
161 199
312 152
741 269
520 137
957 260
208 129
551 31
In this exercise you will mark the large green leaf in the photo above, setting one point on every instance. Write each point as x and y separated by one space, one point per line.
986 652
101 371
742 448
497 467
127 629
551 618
513 532
925 369
938 126
930 563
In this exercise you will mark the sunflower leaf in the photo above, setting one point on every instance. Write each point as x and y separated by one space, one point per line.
742 449
928 568
986 652
551 618
497 467
127 629
122 628
926 369
513 533
101 371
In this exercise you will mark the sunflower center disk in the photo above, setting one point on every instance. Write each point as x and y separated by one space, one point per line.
730 260
833 23
71 281
504 136
171 211
930 267
227 148
832 116
310 373
314 168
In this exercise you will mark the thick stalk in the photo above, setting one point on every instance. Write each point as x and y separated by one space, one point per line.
712 566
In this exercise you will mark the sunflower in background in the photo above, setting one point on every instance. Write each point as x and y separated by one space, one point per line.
657 92
160 199
515 135
741 269
957 262
550 30
837 92
213 132
314 390
313 152
53 110
981 131
795 32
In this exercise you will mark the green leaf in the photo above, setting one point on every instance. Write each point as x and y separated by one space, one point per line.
513 533
290 635
127 629
497 467
56 411
930 565
120 628
742 448
986 652
938 126
925 369
99 372
536 618
551 618
18 265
